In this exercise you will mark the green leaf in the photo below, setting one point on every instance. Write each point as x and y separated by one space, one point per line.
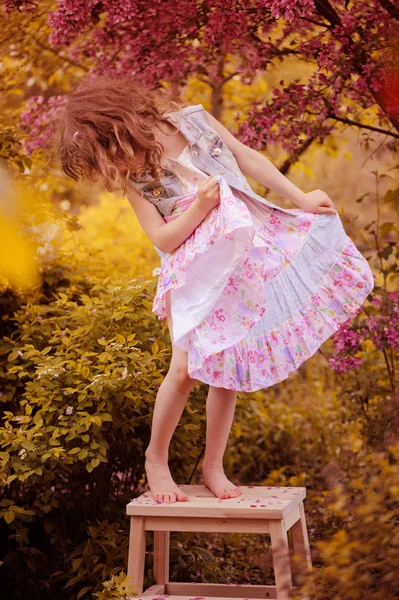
72 581
386 228
6 502
106 417
391 196
83 591
13 356
9 516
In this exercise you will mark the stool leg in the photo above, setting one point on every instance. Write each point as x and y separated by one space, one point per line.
136 557
281 560
300 540
300 543
161 556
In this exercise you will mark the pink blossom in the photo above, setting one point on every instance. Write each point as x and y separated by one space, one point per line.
381 327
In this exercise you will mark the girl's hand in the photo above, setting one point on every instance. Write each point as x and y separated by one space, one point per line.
317 201
208 193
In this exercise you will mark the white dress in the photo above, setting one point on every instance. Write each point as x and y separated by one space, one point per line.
253 294
213 266
188 174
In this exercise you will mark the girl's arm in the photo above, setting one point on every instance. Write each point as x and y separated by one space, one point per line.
259 167
166 236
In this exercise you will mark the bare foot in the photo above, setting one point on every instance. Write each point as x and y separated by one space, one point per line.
217 482
160 482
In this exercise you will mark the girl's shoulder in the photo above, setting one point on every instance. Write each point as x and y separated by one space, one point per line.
196 116
188 110
192 108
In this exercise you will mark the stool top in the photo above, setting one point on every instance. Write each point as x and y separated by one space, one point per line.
264 502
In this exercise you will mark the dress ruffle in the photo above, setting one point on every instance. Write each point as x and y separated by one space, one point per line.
251 300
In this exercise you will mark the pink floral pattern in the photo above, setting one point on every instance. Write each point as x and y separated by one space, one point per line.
298 278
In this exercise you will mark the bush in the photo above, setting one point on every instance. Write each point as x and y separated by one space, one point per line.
80 364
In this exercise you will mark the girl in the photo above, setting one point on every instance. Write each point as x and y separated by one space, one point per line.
250 290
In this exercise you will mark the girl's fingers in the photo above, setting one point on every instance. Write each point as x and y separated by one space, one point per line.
209 185
330 203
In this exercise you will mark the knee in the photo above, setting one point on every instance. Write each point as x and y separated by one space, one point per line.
179 375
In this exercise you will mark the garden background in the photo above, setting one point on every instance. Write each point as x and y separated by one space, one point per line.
313 85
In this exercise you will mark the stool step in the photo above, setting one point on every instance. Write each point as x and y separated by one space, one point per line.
204 591
145 597
209 591
269 502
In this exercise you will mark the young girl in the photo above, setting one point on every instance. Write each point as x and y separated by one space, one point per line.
250 290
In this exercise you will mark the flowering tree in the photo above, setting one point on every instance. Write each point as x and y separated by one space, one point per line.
343 43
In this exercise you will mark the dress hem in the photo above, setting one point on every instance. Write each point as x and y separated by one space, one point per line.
288 354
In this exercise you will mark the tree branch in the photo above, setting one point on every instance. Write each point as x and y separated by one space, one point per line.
287 164
390 8
64 58
328 12
357 124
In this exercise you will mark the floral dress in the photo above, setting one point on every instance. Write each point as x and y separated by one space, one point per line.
255 295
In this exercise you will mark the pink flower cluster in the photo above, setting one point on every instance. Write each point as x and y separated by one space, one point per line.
290 9
70 19
37 120
72 16
381 327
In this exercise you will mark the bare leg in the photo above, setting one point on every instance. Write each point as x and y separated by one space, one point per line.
220 408
169 405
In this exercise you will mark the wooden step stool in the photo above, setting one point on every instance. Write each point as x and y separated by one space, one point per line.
259 509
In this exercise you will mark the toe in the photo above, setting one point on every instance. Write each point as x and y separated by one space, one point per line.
181 496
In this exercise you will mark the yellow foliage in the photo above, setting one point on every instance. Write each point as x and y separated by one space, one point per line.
18 267
17 264
109 240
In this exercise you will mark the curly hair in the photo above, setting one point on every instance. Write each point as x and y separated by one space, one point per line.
105 123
